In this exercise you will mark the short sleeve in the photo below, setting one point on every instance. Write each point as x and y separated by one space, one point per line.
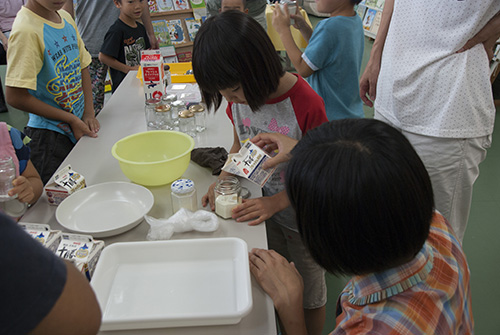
321 48
19 142
112 43
32 279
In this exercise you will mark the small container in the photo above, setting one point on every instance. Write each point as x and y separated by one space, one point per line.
227 196
177 106
199 117
163 117
292 8
187 123
150 111
183 194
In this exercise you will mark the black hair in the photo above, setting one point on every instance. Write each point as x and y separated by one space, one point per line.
362 196
232 49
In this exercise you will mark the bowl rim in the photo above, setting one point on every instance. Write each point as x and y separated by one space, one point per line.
142 133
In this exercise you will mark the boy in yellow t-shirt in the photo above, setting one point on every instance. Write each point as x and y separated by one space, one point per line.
47 76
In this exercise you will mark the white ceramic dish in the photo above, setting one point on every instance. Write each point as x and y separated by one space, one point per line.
193 282
105 209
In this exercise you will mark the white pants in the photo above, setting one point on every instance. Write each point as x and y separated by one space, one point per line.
453 166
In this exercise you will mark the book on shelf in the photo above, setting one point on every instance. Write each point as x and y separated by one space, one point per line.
181 4
371 3
168 53
192 26
197 4
164 5
368 20
186 56
152 6
161 32
380 4
376 23
361 10
176 31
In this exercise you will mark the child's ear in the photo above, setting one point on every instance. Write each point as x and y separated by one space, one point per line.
117 4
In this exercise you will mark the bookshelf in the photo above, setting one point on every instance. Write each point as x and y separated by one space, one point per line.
370 12
176 23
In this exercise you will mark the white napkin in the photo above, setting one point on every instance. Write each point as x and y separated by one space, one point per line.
182 221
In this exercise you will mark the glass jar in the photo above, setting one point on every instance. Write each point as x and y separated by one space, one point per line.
9 204
163 117
168 75
199 117
186 123
177 106
169 98
227 196
183 194
150 109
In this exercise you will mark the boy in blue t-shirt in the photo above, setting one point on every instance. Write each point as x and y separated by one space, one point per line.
47 76
333 57
124 41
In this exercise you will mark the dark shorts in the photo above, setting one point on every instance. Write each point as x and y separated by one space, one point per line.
48 150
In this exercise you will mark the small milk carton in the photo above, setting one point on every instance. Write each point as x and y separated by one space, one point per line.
66 182
82 250
43 234
247 163
153 74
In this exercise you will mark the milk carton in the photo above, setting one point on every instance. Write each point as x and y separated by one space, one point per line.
43 234
247 163
153 74
66 182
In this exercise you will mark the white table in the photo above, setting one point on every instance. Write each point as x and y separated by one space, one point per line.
123 115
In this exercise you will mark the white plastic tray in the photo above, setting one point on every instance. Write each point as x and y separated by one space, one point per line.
176 283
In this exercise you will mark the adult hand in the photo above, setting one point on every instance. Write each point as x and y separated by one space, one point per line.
368 84
283 283
23 189
209 197
259 209
488 36
281 18
275 141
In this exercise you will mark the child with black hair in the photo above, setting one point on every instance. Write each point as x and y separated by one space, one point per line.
332 59
234 58
372 216
124 41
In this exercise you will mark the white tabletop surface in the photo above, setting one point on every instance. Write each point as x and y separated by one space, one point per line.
123 115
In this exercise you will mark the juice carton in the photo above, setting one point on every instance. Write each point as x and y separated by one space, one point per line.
66 182
247 163
153 75
82 250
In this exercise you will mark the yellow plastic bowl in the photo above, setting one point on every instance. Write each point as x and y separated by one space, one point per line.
155 157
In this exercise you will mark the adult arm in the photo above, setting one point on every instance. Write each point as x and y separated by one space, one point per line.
21 99
146 21
275 141
488 35
281 23
368 81
283 283
76 311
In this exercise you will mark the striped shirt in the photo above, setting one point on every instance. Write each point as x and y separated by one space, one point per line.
428 295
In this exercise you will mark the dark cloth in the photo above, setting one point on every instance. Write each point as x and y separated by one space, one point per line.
48 150
31 281
125 44
3 104
213 158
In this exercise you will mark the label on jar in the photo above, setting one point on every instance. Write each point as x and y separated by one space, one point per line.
247 163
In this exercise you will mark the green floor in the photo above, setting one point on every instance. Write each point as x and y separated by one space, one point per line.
480 243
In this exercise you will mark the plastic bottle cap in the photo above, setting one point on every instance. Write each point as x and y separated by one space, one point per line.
182 186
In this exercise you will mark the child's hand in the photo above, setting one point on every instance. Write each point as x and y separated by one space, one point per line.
209 197
23 189
92 123
80 129
300 22
281 18
261 209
